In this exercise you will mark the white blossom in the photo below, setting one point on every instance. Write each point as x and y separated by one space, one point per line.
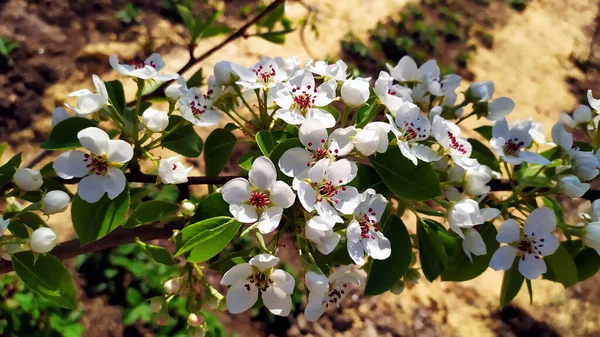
224 73
197 109
411 127
299 99
473 243
467 214
372 138
172 171
391 95
509 143
536 130
28 179
177 90
43 240
572 187
585 164
356 92
171 286
264 74
100 169
55 202
146 70
363 234
260 198
447 134
320 231
594 103
531 245
581 115
426 77
89 102
326 291
337 71
155 120
58 115
248 281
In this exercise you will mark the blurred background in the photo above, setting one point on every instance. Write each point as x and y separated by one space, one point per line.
541 53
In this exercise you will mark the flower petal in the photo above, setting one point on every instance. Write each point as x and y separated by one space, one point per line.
119 151
503 258
327 211
320 223
281 96
339 172
239 298
307 196
541 220
546 243
290 116
94 140
313 313
356 252
91 188
236 274
243 213
283 280
340 141
269 219
71 164
323 116
533 158
277 301
114 182
236 191
264 261
379 247
262 174
294 161
282 194
313 134
316 282
532 266
509 232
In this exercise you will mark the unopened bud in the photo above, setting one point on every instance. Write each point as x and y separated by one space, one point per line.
28 179
411 277
195 320
56 202
398 287
196 332
162 318
187 208
172 286
156 303
43 240
413 259
224 74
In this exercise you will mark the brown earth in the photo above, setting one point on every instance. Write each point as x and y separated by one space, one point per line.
63 42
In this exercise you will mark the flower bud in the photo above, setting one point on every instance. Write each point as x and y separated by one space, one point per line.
224 74
172 286
155 120
476 180
591 235
411 277
195 320
187 208
572 187
162 318
43 240
356 92
595 211
585 165
156 303
56 202
58 115
398 287
176 90
197 332
28 179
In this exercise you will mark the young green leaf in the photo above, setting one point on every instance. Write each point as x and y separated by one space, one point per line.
207 238
368 111
211 206
267 141
432 254
406 180
484 155
157 253
587 261
94 221
511 283
47 276
219 145
151 211
7 171
562 266
64 134
116 95
246 159
188 18
184 140
385 273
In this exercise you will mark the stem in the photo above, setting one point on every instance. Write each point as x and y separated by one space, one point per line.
239 92
165 134
345 115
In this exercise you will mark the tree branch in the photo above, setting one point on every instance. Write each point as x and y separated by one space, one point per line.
72 248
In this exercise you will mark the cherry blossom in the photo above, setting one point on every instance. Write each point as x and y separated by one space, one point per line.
326 291
447 134
28 179
508 143
146 70
320 231
258 278
197 109
260 198
337 71
530 245
100 169
324 189
264 74
172 171
43 240
391 95
355 92
363 234
90 102
299 99
411 127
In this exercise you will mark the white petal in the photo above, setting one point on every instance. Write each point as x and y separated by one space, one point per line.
294 161
325 93
269 219
533 158
313 313
307 196
71 164
320 223
119 151
290 116
317 172
347 199
313 134
546 243
236 191
378 248
88 104
406 70
489 213
155 61
338 172
283 280
375 206
264 261
340 141
541 220
473 243
281 96
282 194
366 142
236 274
326 210
240 299
91 188
277 301
115 182
356 252
329 242
323 116
316 282
500 129
500 108
503 258
353 232
94 139
532 266
509 232
425 153
262 174
243 213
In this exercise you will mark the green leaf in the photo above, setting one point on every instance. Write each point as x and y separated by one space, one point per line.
202 26
134 297
587 261
64 134
188 18
7 171
278 151
151 211
3 147
216 29
246 159
219 145
274 16
184 140
94 221
406 180
485 131
528 175
385 273
555 206
211 206
277 37
116 95
267 141
197 80
367 112
157 253
460 268
30 219
367 177
47 276
562 266
511 283
484 155
432 254
207 238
